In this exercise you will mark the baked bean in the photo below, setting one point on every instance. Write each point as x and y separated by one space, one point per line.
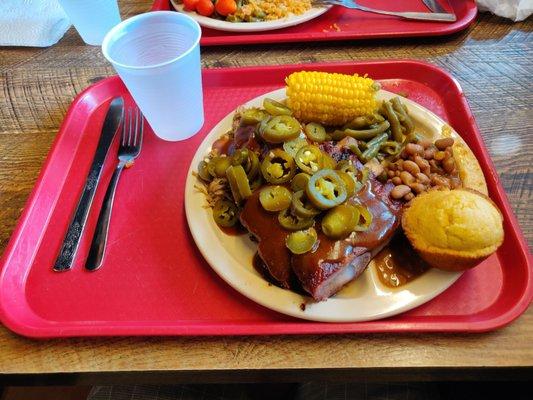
422 178
448 165
390 173
417 187
406 177
439 155
399 191
411 167
441 144
397 173
440 181
396 180
425 143
430 153
409 197
435 168
422 164
412 149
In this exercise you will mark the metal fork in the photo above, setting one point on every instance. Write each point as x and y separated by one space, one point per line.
130 147
424 16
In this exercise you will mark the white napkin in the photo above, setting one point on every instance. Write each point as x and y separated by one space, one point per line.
37 23
517 10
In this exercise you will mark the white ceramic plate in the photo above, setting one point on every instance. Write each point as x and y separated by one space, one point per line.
361 300
220 25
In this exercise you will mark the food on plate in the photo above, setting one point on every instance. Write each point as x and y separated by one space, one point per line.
453 229
321 179
248 10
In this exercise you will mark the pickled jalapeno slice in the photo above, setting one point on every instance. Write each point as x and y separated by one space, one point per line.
315 132
299 182
203 171
252 116
225 213
292 222
279 129
309 159
278 166
364 220
349 182
275 198
249 161
301 207
238 183
328 161
274 107
301 242
218 165
326 189
340 222
292 146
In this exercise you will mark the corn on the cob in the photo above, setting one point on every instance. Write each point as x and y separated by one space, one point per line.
330 98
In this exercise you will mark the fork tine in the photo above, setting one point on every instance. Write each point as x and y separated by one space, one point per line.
130 128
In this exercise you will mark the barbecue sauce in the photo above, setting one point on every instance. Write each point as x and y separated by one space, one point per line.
398 263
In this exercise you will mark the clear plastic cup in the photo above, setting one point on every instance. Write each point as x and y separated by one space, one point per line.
92 18
157 56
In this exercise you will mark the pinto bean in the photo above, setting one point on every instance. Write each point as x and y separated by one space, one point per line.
399 191
441 144
411 167
422 178
396 180
417 187
390 173
409 197
425 143
449 165
412 149
441 181
406 177
430 153
422 164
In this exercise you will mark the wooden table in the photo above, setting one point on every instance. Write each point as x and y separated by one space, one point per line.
492 60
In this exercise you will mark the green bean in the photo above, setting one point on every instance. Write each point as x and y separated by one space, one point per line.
374 146
391 147
396 128
401 111
363 134
364 121
354 149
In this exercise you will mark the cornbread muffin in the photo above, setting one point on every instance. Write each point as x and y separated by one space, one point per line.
453 229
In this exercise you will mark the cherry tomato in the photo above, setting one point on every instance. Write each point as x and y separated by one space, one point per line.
226 7
190 4
205 8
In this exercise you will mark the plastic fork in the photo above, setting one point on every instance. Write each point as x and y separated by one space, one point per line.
130 147
423 16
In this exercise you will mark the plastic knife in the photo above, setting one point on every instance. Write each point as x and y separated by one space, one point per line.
77 224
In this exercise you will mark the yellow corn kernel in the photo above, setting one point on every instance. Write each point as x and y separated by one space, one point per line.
330 98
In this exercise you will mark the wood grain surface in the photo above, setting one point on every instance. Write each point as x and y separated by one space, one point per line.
492 61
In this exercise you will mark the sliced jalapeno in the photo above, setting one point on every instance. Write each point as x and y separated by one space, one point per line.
249 161
347 166
364 218
349 182
326 189
238 183
328 161
315 132
301 242
278 166
301 207
275 198
225 213
274 107
309 159
203 172
340 221
292 222
253 116
292 146
218 165
280 128
299 182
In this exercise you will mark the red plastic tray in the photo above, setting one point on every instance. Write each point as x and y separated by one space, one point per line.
155 281
343 24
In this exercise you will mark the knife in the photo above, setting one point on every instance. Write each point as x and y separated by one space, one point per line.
434 6
77 224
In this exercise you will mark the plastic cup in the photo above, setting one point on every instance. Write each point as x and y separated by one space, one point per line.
157 56
92 18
